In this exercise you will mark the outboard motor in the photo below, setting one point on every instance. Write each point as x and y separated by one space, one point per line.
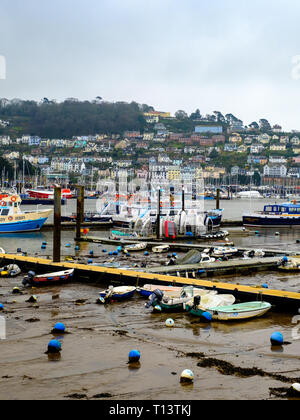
155 298
28 279
197 300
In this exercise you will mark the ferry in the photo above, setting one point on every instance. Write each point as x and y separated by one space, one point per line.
274 215
14 220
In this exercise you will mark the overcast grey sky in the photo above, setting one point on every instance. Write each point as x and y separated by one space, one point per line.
227 55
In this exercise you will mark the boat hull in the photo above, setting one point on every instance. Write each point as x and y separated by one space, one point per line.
23 226
270 221
119 296
49 280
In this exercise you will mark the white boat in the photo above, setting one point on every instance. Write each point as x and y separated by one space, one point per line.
14 220
140 246
160 249
221 251
249 194
148 289
239 311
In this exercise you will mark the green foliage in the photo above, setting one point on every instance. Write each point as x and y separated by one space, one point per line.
70 118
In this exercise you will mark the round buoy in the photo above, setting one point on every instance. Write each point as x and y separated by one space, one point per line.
68 245
59 328
119 249
77 248
296 387
110 253
91 252
276 339
44 243
1 307
104 250
265 286
174 254
170 323
187 376
54 346
134 356
146 253
115 253
207 316
43 247
90 261
16 290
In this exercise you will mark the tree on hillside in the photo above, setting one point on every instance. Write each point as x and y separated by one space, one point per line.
195 115
254 125
181 115
219 117
264 125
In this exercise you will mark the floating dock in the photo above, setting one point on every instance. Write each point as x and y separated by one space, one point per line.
289 301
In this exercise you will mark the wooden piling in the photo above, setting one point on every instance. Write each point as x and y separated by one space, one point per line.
80 210
218 199
158 214
57 225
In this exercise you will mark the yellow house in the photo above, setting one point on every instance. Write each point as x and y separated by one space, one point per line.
278 147
235 138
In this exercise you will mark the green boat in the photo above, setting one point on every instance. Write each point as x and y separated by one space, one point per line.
235 312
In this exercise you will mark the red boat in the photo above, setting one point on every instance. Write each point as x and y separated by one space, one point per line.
49 194
48 279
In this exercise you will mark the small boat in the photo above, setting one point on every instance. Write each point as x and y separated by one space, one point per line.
11 270
289 263
160 249
117 234
59 277
239 311
274 215
116 293
198 305
221 251
140 246
161 301
148 289
254 253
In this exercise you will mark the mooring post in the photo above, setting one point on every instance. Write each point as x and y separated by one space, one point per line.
182 199
57 225
158 215
80 210
218 199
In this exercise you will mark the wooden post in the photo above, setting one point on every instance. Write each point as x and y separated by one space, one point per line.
182 200
158 215
80 210
57 225
218 199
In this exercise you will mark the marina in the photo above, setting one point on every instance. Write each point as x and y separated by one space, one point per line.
101 265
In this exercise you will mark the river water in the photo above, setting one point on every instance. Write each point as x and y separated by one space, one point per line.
93 362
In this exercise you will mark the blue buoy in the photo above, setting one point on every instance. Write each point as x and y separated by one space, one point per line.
207 316
127 254
1 307
54 346
43 247
91 252
59 328
174 254
68 245
134 356
104 250
119 249
277 339
110 253
90 261
146 253
44 243
77 248
265 286
115 253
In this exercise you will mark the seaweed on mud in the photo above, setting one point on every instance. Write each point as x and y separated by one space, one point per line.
227 368
120 332
76 396
103 395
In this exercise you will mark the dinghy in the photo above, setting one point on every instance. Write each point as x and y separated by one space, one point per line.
141 246
197 306
116 293
160 249
162 302
239 311
11 270
148 289
59 277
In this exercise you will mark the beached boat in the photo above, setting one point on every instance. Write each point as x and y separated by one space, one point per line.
221 251
196 306
160 249
118 234
43 193
161 301
116 293
239 311
140 246
290 263
11 270
59 277
148 289
13 220
274 215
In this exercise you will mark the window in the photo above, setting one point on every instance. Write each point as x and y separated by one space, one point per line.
5 212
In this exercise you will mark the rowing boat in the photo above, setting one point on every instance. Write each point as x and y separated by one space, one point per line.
160 249
59 277
116 293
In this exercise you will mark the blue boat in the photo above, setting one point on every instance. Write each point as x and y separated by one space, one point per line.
274 215
116 293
